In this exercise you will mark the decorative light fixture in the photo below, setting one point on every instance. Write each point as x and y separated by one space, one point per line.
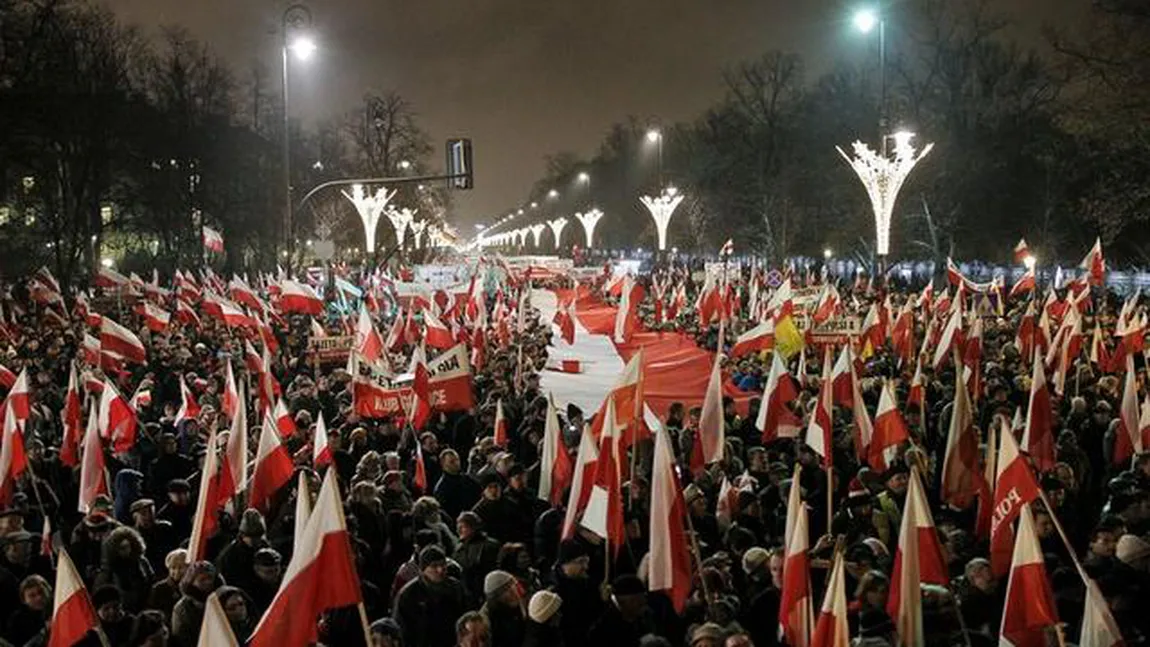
883 177
589 220
662 208
417 229
537 231
557 226
400 219
369 207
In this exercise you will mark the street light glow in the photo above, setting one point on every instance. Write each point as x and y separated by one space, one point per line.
1029 261
653 135
671 191
552 194
865 20
584 177
404 164
303 47
828 253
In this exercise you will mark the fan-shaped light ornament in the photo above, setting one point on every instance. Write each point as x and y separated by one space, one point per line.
883 177
589 220
417 229
557 226
661 209
369 207
400 220
537 231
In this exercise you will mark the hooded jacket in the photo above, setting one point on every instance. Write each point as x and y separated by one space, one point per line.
131 573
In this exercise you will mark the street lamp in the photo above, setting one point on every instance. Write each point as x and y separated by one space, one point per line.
552 194
828 253
661 209
883 176
865 21
295 22
557 226
654 136
585 178
589 220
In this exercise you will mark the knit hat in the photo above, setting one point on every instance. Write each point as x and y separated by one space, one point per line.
431 555
252 524
707 631
496 581
1133 551
386 627
105 595
140 504
857 494
267 557
543 605
754 559
690 493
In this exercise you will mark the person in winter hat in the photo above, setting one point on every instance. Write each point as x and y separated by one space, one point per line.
199 581
544 612
504 609
236 559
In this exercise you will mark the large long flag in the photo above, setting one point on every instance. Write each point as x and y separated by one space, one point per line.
669 563
917 560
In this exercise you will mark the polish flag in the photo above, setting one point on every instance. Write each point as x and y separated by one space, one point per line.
889 432
1021 251
1038 437
555 470
302 507
863 426
1098 626
284 423
832 629
902 334
1094 264
299 298
368 343
90 349
626 317
206 520
1129 441
604 512
821 425
320 576
627 394
1014 486
253 362
19 397
796 620
582 481
775 419
230 398
70 417
93 477
320 452
420 411
972 358
951 336
411 332
186 315
917 392
843 378
155 318
960 465
1024 338
712 426
917 560
1030 608
419 478
565 320
759 338
243 294
669 562
234 467
829 302
189 409
216 630
437 335
273 468
267 335
1026 284
120 340
500 431
234 316
395 341
873 332
7 377
109 279
117 420
212 239
73 615
984 514
13 460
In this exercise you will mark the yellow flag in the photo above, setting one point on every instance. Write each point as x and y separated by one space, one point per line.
788 338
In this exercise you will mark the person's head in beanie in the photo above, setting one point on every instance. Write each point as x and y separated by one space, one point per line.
252 527
468 524
708 634
268 565
108 603
500 587
545 608
573 560
630 596
433 564
385 632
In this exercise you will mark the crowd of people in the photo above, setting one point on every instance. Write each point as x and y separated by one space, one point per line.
476 558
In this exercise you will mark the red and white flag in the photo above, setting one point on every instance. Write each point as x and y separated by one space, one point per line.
669 562
960 475
832 629
712 426
234 466
299 298
1021 251
1014 486
604 512
13 460
206 518
627 393
759 338
186 315
555 469
1038 437
828 303
843 378
821 425
776 420
109 279
437 335
368 343
1030 607
155 318
216 630
283 420
7 377
253 361
73 615
1026 284
918 560
230 398
213 240
1094 264
302 506
120 340
273 468
320 451
565 320
70 417
583 477
117 419
889 432
93 475
189 409
951 335
626 317
796 617
419 478
320 576
1098 626
1128 441
420 411
500 430
917 393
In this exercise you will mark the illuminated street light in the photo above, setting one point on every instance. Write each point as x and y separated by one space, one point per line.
883 177
107 262
534 205
584 177
417 229
1029 261
552 194
865 20
828 253
662 208
653 135
294 38
557 226
303 47
400 219
589 220
370 208
404 165
537 231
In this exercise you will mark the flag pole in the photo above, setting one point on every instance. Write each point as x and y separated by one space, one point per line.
698 557
830 492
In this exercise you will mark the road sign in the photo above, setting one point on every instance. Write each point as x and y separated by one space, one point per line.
459 166
774 278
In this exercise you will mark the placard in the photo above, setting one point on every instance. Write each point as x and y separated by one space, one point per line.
330 350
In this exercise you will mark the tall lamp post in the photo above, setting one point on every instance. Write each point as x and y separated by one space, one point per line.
294 27
865 21
883 176
655 136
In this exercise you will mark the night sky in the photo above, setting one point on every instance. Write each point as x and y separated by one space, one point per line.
525 78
